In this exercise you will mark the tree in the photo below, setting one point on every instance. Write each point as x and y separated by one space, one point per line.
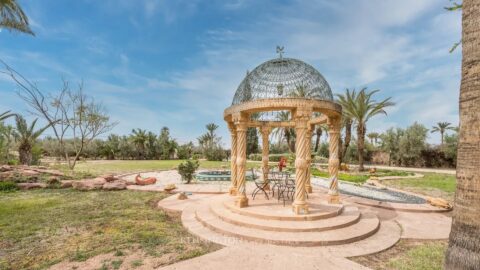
252 141
464 243
286 133
70 113
139 138
412 143
391 144
26 137
166 144
6 114
360 107
373 136
347 125
442 127
13 18
318 134
210 144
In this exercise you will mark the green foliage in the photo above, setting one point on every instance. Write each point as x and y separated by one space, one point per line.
252 141
450 147
187 170
354 178
210 144
8 186
185 151
412 143
323 150
13 18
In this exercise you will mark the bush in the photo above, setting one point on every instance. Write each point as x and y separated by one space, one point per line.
187 169
8 186
215 154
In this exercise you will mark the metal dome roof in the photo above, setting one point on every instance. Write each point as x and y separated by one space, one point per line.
283 77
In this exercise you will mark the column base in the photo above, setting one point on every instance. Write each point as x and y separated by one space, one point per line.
333 198
241 201
233 191
309 189
300 209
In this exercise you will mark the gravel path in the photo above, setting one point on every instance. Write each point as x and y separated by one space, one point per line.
370 192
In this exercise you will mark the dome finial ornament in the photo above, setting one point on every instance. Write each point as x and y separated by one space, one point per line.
280 51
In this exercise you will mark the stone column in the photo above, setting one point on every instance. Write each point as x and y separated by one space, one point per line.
301 165
241 124
233 165
308 185
265 151
333 161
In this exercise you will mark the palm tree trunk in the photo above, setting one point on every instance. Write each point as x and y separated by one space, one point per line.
348 138
464 244
318 132
441 138
360 144
25 154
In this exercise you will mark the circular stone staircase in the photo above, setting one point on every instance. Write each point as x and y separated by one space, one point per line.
270 222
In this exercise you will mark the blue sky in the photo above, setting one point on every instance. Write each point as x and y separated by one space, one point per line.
178 63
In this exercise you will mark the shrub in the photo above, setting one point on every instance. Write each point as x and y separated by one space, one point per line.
8 186
215 154
187 168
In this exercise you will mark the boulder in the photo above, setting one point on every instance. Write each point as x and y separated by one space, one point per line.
53 180
26 186
145 181
66 183
109 177
439 202
182 196
6 168
89 184
116 185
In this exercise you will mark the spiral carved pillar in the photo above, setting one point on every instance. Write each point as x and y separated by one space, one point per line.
241 199
333 162
308 184
301 164
265 151
233 165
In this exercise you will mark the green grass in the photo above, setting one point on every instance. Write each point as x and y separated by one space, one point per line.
43 227
432 184
125 166
428 256
354 178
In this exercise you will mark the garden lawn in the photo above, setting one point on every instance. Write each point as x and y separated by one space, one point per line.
354 178
408 255
432 184
43 227
125 166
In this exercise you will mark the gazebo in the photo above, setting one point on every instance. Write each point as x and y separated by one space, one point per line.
289 87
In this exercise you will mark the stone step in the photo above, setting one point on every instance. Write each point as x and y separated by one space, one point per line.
349 216
365 227
273 210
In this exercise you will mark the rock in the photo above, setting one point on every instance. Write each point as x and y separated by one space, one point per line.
6 168
116 185
372 170
130 182
51 172
109 177
182 196
27 172
53 180
26 186
66 183
89 184
439 202
143 182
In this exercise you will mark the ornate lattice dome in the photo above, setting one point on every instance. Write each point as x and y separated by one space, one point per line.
283 77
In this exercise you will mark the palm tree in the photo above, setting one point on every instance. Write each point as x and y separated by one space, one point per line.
464 244
318 134
373 136
6 114
13 18
442 127
360 107
139 138
347 123
285 132
26 137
